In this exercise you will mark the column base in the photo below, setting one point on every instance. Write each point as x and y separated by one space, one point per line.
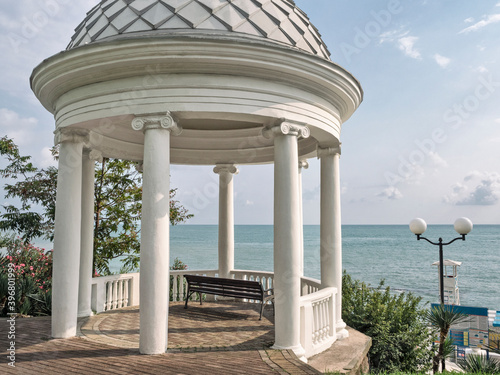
151 351
342 332
85 314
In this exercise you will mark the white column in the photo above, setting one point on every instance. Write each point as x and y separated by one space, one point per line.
87 233
155 232
226 218
287 235
331 229
66 256
303 164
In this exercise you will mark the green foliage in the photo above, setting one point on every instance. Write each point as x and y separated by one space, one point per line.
442 317
395 322
118 195
178 213
32 186
479 364
117 210
32 268
178 265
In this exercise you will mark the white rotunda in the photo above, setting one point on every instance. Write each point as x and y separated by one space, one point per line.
199 82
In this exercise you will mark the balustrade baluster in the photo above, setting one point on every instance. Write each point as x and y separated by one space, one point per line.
324 320
181 287
109 296
175 286
315 323
114 297
125 292
120 294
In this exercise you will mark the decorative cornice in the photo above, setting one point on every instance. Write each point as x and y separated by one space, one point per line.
303 164
72 135
167 122
329 151
226 168
286 127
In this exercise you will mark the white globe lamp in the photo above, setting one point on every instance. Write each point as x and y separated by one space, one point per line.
463 226
418 226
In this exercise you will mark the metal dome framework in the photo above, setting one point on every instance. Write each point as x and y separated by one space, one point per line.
206 82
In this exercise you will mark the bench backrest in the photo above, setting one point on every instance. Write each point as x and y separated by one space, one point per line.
228 287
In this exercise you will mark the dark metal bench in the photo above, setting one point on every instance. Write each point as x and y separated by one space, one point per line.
228 288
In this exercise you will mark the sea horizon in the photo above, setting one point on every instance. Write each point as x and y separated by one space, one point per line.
371 253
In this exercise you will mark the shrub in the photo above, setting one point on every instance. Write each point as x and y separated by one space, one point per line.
479 364
401 340
33 272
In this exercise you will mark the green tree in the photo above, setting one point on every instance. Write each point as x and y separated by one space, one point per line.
118 194
395 322
442 318
34 187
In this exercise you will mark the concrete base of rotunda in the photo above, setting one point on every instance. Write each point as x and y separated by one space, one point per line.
347 356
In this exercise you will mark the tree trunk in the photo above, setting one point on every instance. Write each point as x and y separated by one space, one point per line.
435 364
442 339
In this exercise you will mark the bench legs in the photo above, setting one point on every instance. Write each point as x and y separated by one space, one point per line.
188 296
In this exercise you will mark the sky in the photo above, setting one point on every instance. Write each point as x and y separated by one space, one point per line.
425 142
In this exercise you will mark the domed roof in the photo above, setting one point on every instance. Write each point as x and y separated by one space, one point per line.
280 21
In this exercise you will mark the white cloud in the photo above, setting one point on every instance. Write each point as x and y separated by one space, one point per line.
403 40
490 19
442 61
482 69
391 193
18 128
249 203
476 189
47 160
392 35
407 45
469 20
437 159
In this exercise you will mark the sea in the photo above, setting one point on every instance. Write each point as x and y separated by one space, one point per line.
371 253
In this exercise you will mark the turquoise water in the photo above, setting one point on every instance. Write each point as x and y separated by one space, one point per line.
370 253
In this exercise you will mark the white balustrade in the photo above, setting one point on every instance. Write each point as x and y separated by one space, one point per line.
317 306
309 286
317 320
114 292
265 278
178 285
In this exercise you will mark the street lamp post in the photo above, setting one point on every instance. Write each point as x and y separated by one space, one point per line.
463 226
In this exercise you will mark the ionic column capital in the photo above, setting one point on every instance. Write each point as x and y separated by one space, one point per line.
94 155
72 135
329 151
226 168
303 164
286 127
167 122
